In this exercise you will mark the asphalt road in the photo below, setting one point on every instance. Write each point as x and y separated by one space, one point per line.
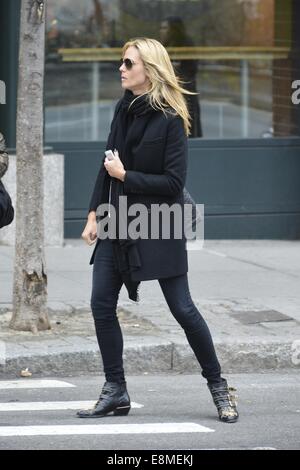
169 412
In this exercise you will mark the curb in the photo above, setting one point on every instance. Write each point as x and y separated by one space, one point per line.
155 356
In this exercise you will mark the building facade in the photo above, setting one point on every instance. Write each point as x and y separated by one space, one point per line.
241 57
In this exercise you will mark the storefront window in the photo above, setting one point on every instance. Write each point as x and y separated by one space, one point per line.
235 53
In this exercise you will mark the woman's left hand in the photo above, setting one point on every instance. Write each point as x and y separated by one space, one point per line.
115 167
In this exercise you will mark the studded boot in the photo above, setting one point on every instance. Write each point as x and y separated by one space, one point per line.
225 401
114 399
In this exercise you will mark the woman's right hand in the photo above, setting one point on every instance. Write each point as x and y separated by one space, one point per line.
89 234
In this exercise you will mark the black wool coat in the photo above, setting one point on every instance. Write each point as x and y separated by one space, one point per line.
157 176
6 208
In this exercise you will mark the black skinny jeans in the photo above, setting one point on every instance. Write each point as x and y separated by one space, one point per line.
107 284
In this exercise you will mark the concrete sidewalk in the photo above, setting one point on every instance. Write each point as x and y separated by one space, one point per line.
248 292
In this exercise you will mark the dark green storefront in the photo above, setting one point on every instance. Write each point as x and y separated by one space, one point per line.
249 185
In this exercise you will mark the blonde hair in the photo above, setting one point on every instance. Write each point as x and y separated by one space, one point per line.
165 89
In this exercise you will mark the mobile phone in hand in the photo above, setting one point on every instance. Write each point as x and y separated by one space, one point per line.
109 154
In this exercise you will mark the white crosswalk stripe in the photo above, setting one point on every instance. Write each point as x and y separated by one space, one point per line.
146 428
52 405
80 429
33 383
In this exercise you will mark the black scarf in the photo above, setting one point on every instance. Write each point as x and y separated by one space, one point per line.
127 131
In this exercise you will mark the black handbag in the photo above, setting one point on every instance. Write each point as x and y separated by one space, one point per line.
196 214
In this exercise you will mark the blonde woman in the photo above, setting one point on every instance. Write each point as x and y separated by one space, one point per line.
149 134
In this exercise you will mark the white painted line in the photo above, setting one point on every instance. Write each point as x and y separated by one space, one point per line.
52 405
33 383
217 253
195 245
64 430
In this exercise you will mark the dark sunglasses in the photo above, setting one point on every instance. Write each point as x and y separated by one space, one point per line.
127 62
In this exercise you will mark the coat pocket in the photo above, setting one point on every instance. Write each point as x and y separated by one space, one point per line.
158 141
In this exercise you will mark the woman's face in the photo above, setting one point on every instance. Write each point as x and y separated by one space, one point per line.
134 79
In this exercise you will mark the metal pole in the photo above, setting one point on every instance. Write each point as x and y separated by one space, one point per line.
245 97
221 121
95 97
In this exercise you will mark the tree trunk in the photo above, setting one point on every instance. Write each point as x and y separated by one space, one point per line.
30 279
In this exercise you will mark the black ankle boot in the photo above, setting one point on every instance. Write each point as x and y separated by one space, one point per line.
224 401
114 399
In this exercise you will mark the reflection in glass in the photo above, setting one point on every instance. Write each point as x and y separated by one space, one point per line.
242 97
173 34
